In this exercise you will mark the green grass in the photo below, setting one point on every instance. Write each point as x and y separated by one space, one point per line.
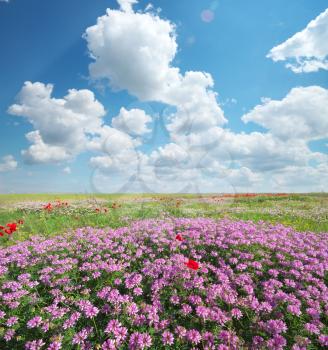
48 197
295 210
300 224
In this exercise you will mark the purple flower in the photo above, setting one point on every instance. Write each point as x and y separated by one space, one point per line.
278 342
167 338
236 313
9 334
56 345
72 320
312 328
81 336
12 321
275 326
34 345
139 341
34 322
186 309
193 336
294 309
323 340
109 344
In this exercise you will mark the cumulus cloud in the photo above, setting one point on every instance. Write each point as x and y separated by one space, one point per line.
126 5
307 50
68 126
8 163
302 114
134 121
134 51
63 127
199 145
40 152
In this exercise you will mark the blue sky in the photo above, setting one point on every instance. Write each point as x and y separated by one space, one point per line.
42 41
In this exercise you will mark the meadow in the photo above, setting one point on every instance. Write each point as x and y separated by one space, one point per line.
164 271
304 212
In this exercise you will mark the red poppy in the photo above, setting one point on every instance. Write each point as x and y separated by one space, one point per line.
48 206
97 210
20 222
179 238
192 264
12 228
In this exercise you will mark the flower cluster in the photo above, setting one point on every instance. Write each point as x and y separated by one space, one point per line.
226 285
58 204
10 228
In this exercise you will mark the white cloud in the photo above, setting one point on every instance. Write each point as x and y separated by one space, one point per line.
40 152
8 164
134 51
63 127
133 121
126 5
243 177
264 151
302 179
199 149
307 50
302 114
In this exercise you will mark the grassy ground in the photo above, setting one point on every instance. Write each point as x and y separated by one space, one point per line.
303 212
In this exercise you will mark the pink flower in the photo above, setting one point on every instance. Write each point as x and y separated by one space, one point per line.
167 338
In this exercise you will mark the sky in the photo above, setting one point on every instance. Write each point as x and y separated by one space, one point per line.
168 96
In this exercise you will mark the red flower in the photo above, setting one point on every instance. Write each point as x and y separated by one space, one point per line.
12 228
97 210
48 206
192 264
179 238
20 222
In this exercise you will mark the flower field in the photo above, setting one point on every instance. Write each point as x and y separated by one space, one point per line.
174 283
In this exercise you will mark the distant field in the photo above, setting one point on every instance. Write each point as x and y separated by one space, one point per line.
304 212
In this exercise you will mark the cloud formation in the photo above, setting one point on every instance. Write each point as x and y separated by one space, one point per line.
134 121
135 51
307 50
199 144
63 126
8 163
302 114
